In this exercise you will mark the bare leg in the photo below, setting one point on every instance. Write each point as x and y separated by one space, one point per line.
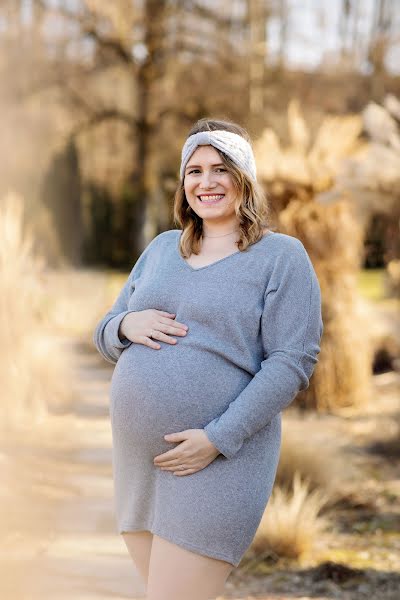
179 574
139 547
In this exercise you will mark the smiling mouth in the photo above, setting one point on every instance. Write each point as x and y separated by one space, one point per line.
211 198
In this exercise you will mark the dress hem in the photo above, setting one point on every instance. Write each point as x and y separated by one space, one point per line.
179 542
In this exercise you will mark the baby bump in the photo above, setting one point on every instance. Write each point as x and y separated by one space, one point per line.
154 392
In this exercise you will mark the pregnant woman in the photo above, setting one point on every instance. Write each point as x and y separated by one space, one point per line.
214 333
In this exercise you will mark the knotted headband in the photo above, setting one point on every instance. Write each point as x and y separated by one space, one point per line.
232 144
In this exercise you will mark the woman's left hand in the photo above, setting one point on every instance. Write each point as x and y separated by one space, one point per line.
194 452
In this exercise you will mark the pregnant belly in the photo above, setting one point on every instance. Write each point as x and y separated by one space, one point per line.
154 392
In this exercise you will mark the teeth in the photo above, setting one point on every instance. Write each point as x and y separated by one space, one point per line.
211 198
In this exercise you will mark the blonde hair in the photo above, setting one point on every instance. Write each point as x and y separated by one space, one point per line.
251 205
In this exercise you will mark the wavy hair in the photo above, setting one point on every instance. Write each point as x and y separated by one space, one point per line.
251 205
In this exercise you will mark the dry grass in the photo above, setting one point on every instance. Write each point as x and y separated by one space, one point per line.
333 240
307 160
33 368
295 176
313 474
291 523
319 458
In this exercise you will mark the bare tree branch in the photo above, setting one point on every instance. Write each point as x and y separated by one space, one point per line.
109 43
106 114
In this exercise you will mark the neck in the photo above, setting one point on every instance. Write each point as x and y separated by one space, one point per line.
220 231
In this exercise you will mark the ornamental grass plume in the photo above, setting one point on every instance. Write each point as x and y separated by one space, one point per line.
291 523
294 175
32 365
322 460
333 240
310 162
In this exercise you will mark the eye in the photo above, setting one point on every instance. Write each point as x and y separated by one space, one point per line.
197 170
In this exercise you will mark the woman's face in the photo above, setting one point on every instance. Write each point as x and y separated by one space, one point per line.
209 187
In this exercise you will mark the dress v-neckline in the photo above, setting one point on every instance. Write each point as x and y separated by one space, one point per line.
216 262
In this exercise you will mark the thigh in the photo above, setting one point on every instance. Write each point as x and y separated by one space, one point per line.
139 547
178 574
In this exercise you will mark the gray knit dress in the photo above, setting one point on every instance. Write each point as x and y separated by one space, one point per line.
255 326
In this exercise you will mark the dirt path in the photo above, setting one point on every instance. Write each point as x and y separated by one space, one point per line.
58 530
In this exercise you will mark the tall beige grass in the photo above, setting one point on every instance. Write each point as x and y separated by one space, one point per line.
292 522
33 368
320 458
333 239
295 175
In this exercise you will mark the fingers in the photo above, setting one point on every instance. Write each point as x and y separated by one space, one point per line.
161 327
147 341
174 326
159 335
170 463
186 472
166 327
156 334
161 331
175 454
172 467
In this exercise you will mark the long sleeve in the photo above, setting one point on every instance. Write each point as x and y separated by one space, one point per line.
105 336
291 329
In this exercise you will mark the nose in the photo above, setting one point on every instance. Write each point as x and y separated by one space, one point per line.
206 180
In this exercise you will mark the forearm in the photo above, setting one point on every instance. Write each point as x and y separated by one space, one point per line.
106 336
270 391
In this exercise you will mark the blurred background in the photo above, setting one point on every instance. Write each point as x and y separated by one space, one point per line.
96 100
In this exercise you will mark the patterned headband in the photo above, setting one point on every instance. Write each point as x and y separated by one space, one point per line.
232 144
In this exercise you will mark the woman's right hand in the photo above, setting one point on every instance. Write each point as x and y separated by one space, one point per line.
138 326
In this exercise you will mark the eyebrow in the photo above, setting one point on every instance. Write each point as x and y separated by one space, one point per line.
199 166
